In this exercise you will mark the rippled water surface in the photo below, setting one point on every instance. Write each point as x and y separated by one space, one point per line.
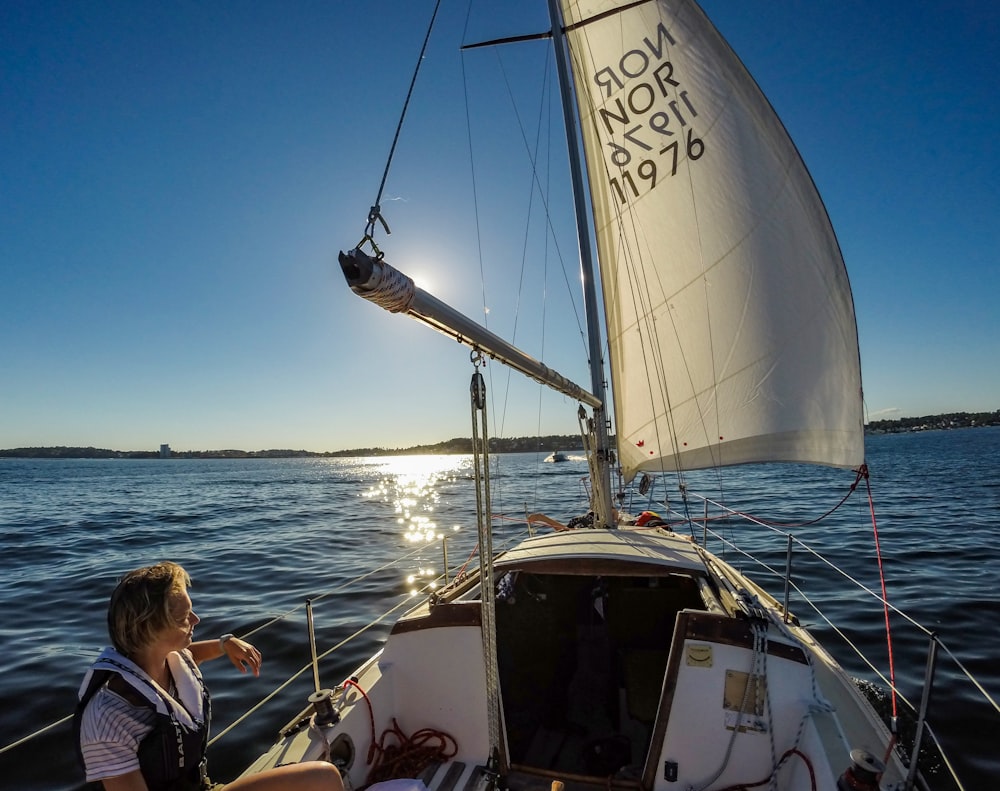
259 537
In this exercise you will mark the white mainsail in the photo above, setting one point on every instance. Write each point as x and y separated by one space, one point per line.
732 336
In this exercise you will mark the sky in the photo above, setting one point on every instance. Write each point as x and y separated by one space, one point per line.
176 181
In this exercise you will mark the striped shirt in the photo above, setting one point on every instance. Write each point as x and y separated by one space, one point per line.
110 733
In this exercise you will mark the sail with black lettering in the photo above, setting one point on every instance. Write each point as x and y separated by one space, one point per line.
731 327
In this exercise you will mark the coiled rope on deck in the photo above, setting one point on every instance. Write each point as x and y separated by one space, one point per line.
409 755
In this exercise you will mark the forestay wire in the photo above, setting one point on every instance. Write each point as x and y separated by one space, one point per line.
375 213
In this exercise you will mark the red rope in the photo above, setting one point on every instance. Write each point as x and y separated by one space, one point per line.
350 682
788 753
410 755
468 560
862 472
885 602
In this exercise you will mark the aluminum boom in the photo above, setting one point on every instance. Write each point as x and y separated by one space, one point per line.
387 287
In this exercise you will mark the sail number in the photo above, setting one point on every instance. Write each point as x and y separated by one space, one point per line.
646 117
659 123
626 187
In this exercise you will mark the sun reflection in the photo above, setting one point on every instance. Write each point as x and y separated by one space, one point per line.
414 488
423 579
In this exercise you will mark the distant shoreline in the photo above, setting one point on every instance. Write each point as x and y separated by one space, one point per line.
457 445
544 444
951 420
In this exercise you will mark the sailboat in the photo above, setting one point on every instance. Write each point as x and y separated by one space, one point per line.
610 653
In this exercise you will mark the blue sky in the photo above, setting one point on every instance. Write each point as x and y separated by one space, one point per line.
177 179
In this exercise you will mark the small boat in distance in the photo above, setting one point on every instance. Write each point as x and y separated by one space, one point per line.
556 455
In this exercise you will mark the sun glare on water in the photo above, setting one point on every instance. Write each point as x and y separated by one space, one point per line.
412 486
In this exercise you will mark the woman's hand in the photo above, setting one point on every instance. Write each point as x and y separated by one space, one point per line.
243 655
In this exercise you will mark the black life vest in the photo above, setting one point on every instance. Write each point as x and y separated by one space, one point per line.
171 756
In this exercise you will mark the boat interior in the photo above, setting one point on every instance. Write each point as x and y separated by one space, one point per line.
581 662
646 680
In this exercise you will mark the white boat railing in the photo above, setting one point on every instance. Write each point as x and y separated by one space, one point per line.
428 589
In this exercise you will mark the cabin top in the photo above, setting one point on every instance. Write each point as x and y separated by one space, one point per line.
624 550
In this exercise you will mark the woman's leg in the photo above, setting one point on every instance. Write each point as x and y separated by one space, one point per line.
309 776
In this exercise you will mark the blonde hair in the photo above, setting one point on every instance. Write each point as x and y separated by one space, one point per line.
140 606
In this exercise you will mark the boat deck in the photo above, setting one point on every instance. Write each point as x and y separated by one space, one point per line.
455 776
635 550
460 776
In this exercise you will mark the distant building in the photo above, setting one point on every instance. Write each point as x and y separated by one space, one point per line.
164 451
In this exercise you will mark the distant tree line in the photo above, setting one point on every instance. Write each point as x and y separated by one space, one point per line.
544 444
69 453
934 422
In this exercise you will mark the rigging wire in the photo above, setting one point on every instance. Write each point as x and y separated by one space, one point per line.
478 229
375 213
484 513
274 693
533 158
543 192
545 286
536 186
860 473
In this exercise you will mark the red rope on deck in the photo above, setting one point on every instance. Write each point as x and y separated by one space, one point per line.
787 754
371 717
410 755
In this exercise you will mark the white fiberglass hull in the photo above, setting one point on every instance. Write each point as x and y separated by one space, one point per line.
627 656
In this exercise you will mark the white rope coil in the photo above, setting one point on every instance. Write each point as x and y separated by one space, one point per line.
390 289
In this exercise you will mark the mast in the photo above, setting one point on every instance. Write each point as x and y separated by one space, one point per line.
600 460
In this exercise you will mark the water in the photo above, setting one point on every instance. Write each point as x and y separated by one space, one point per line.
260 536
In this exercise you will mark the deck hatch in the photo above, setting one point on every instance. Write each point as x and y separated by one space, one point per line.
737 698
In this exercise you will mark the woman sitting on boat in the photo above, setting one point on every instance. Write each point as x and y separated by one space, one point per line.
143 718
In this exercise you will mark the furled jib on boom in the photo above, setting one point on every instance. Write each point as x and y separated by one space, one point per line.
378 282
